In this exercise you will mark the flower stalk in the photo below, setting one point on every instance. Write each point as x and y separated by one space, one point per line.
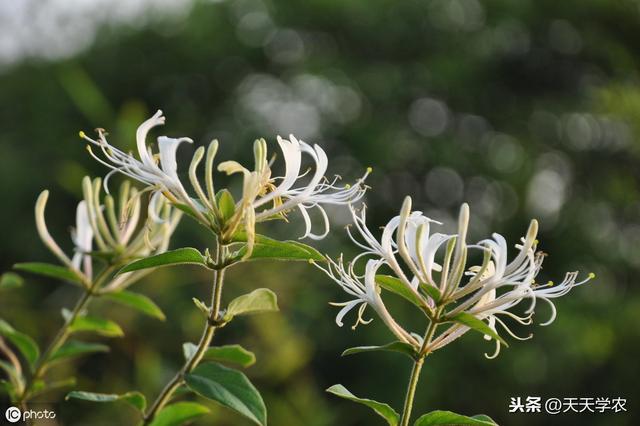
417 368
212 323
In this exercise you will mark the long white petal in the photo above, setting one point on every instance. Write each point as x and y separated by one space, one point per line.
168 147
141 137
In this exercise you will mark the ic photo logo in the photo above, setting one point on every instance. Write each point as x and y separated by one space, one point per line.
13 414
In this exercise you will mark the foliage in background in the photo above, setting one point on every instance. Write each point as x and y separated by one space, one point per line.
526 109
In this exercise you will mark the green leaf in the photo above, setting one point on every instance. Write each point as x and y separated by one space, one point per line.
10 280
139 302
397 346
433 292
478 325
7 388
16 380
259 300
232 354
25 344
74 348
181 256
178 414
230 388
449 418
186 209
382 409
226 204
49 270
395 285
268 248
101 326
136 399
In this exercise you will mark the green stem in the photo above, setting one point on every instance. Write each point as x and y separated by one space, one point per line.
210 328
62 335
415 371
411 391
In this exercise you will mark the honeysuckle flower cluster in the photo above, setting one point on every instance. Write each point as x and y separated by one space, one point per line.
434 270
264 197
110 230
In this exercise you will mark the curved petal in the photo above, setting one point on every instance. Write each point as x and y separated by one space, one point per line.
347 307
141 137
168 147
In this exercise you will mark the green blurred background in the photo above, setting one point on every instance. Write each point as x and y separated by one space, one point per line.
522 109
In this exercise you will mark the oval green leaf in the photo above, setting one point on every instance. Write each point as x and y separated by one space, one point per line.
101 326
395 285
186 209
181 256
478 325
397 346
268 248
431 291
74 348
135 399
226 204
25 344
380 408
51 271
258 301
449 418
230 388
231 354
138 302
178 414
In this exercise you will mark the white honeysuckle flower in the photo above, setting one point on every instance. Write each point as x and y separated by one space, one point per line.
365 293
497 286
491 290
277 196
263 197
112 227
159 172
